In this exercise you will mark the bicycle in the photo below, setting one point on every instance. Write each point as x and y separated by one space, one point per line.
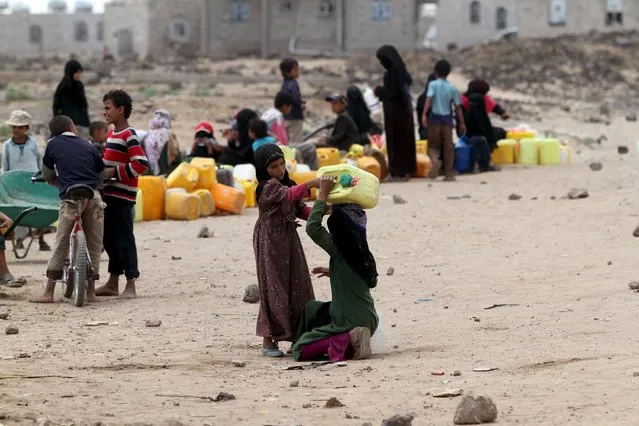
77 268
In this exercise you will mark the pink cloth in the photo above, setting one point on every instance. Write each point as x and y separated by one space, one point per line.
298 192
336 347
276 125
306 212
490 103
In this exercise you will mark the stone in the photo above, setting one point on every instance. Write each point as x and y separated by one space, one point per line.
152 323
223 397
204 233
635 374
622 149
333 403
399 420
239 364
596 166
634 285
604 109
11 330
474 410
456 373
514 197
294 383
4 315
448 393
390 271
252 294
578 193
635 233
398 199
631 117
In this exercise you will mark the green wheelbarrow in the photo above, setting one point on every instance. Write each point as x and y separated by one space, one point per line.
18 193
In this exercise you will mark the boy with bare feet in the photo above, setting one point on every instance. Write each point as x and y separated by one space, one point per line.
125 161
76 163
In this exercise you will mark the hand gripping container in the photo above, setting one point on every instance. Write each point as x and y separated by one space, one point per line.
365 192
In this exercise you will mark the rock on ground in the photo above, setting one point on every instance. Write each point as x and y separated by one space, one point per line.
399 420
578 193
252 294
634 285
596 166
11 330
514 197
474 410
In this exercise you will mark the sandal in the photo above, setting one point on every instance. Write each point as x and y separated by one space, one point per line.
273 352
6 279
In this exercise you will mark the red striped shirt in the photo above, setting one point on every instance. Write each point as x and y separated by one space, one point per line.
124 152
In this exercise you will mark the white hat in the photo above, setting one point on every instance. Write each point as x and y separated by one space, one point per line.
19 118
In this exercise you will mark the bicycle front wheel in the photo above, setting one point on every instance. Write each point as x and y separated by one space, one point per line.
79 269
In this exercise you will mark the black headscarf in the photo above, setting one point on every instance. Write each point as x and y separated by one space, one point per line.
73 89
358 110
478 86
240 151
264 156
347 225
477 121
396 73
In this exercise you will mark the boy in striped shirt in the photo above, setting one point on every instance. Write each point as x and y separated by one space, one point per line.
125 161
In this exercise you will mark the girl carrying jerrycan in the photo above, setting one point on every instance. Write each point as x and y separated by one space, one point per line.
282 272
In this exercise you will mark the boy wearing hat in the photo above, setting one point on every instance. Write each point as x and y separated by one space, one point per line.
204 143
345 132
22 153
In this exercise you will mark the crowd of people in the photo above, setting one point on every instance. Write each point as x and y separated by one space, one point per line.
118 155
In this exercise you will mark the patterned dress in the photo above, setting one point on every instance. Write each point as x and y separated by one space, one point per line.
282 272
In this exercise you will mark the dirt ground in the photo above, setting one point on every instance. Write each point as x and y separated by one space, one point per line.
563 346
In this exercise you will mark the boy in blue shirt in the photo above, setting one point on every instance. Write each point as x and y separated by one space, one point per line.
440 98
258 131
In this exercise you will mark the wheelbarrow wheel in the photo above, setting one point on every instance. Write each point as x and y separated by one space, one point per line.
79 269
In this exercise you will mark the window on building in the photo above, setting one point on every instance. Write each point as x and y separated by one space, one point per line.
35 34
557 12
100 35
475 12
81 32
326 9
179 30
286 5
240 11
502 18
614 12
381 11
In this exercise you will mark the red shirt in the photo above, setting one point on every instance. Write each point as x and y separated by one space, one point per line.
490 103
124 152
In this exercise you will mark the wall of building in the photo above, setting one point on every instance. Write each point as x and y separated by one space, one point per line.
58 34
122 20
364 33
454 25
174 28
581 17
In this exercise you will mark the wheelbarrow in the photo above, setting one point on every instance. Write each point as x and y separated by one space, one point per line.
18 193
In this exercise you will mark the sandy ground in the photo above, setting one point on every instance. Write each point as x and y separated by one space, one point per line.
565 351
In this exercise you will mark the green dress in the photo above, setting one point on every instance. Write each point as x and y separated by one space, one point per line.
352 304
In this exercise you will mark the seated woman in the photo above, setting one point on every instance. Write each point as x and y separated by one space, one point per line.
239 150
204 143
340 329
361 115
482 87
479 132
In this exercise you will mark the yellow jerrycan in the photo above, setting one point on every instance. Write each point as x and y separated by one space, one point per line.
549 152
184 176
363 191
505 152
182 206
153 190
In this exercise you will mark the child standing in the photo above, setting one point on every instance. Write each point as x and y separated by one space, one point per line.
258 131
274 117
98 135
290 70
282 271
440 97
125 161
22 153
68 161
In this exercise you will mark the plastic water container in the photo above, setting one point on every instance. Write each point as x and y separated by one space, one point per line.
182 205
549 152
505 152
519 134
224 176
303 168
249 192
228 199
356 151
421 147
327 157
244 172
424 166
291 166
207 204
463 156
139 206
378 346
565 153
371 165
208 172
153 190
289 153
365 192
528 152
184 176
372 101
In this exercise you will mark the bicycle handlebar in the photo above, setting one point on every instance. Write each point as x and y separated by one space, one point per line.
16 222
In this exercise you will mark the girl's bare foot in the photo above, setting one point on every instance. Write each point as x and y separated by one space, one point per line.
111 288
91 298
45 298
129 291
